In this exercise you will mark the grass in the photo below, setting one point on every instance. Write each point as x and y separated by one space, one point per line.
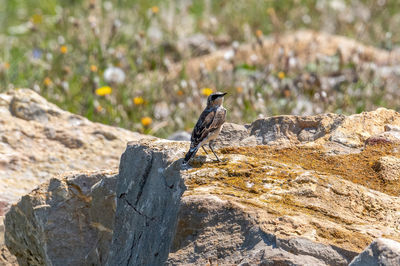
62 49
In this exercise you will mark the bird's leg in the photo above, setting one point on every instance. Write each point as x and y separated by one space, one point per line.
209 145
204 150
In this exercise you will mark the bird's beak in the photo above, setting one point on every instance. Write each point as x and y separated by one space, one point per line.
223 94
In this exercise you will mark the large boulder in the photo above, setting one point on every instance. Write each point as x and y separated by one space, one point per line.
382 251
148 198
38 140
65 221
317 200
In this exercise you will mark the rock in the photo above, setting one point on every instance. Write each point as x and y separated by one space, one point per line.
215 230
148 198
29 123
180 136
390 136
312 196
38 140
238 135
65 221
357 129
337 133
381 252
284 130
388 168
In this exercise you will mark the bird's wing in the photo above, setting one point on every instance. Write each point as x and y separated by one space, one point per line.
210 120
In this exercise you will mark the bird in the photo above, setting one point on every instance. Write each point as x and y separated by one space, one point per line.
208 126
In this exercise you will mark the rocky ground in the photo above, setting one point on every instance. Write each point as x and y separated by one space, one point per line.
289 189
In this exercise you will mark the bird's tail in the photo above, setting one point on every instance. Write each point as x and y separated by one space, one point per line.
192 152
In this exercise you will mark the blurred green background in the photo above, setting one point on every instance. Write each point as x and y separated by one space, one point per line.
91 57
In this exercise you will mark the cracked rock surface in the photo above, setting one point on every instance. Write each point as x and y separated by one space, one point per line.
148 193
65 221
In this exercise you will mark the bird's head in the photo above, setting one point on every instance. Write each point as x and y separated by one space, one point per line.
215 99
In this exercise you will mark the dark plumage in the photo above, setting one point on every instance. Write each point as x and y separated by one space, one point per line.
208 126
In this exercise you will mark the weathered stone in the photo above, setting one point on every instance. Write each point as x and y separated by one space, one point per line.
180 136
382 251
388 168
38 140
234 134
148 197
338 133
285 130
212 229
66 221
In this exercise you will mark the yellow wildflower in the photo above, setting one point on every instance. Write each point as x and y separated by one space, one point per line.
37 18
155 9
281 75
146 121
6 65
63 49
103 91
206 91
239 89
93 68
138 100
47 82
99 108
259 33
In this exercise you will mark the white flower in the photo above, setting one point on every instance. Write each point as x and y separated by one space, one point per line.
228 56
114 75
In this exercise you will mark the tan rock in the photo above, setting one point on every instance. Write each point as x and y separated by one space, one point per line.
388 168
39 140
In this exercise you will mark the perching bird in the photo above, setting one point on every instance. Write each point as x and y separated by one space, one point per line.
208 126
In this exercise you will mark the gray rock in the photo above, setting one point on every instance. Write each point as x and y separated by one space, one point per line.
148 197
180 136
269 255
235 135
290 129
65 221
382 251
328 254
211 230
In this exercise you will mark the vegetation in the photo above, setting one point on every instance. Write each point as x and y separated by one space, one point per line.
94 57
